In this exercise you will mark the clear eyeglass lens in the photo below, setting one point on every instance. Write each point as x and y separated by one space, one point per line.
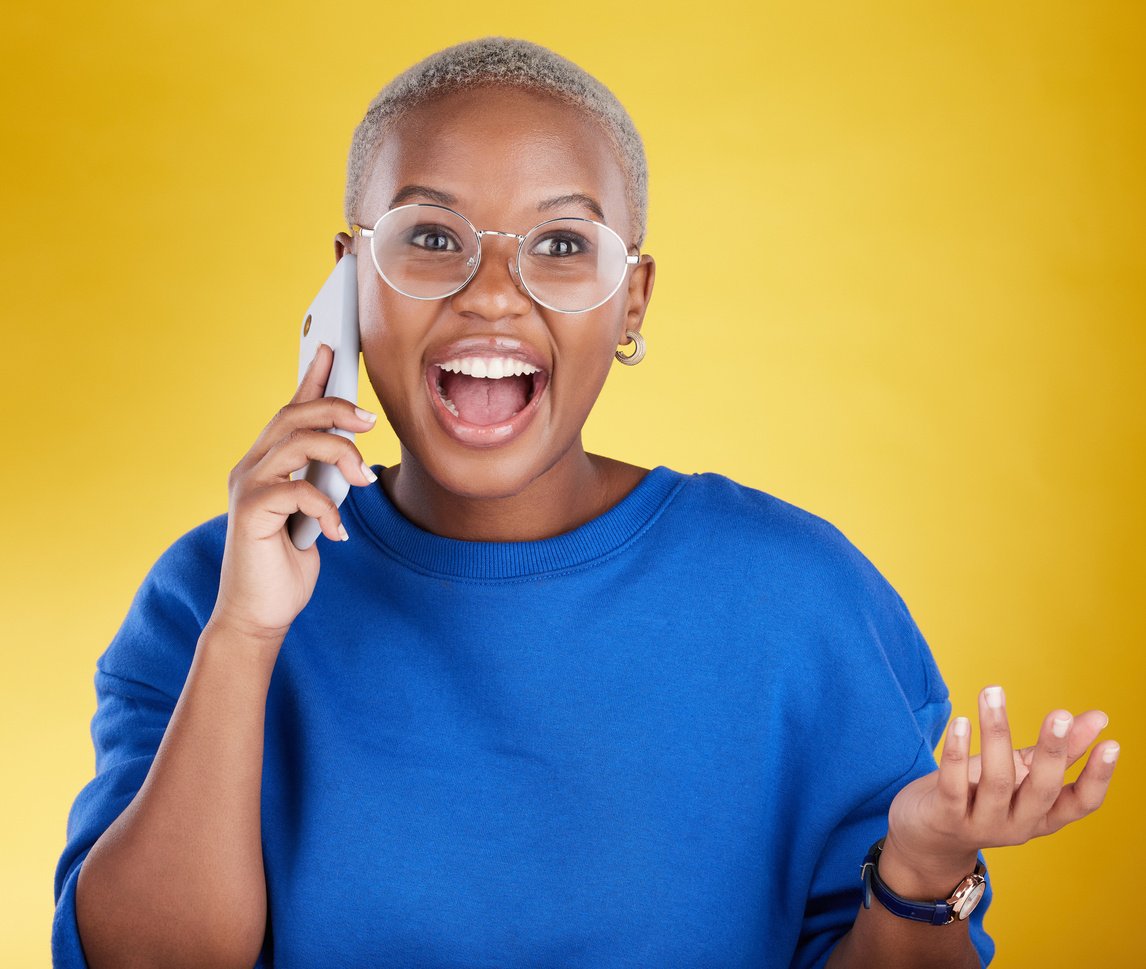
572 264
424 251
428 252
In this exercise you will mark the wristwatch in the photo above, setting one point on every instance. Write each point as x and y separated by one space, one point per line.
958 905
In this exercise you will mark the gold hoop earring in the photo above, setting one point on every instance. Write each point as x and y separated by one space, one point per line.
638 354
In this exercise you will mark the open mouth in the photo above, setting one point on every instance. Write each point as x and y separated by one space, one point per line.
488 398
487 390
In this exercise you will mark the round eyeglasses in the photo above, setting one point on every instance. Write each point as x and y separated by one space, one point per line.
427 251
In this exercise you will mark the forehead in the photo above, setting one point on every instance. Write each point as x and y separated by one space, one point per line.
500 152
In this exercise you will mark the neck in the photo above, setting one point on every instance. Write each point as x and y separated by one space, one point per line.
575 490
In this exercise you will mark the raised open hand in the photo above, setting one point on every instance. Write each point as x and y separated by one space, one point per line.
1001 796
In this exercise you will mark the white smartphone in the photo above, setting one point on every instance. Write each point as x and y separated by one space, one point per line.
331 319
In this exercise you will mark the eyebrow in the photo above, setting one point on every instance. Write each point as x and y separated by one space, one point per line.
407 192
577 198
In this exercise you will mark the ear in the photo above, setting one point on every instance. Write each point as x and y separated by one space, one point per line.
639 293
343 243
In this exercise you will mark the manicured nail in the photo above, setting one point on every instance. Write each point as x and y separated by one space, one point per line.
961 727
342 531
1060 726
370 475
365 415
1110 755
994 695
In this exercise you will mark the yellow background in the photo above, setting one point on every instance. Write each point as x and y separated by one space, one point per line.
900 284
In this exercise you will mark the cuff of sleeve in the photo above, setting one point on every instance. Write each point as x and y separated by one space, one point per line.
67 950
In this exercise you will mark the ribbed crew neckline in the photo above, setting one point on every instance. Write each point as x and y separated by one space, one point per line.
512 560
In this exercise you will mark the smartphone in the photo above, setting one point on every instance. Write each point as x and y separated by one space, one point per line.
332 318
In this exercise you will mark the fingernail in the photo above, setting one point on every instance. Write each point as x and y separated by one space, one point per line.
994 695
342 532
370 475
365 415
1105 722
1060 726
961 726
1110 755
316 349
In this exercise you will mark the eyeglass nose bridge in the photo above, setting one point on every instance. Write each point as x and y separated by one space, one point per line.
498 232
514 264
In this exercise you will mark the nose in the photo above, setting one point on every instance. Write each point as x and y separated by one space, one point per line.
495 291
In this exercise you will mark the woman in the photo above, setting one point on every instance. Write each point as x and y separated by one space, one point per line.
540 708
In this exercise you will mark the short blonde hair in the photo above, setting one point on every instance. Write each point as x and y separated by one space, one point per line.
508 62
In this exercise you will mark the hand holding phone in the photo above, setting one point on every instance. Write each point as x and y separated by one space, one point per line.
266 580
331 319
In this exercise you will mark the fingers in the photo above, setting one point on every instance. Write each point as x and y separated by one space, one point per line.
308 409
324 413
1083 732
1043 784
301 446
953 783
313 383
999 813
264 511
996 784
1087 793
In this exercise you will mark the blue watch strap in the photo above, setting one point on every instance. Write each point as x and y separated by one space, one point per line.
934 913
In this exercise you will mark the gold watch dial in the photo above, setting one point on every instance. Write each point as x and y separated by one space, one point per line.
967 895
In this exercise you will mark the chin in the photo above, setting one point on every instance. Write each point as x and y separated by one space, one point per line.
488 473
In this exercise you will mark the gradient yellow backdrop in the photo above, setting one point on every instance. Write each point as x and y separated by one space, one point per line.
900 284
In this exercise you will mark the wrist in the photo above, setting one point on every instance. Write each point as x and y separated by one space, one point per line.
257 646
221 621
920 876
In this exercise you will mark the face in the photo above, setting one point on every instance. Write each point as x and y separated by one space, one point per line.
498 157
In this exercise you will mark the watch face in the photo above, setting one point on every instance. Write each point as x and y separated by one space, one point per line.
966 905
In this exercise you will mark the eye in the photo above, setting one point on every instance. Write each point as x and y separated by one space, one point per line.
433 238
562 243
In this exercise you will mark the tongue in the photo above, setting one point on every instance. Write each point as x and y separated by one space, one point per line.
480 400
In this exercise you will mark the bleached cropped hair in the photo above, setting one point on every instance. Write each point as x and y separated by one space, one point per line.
513 63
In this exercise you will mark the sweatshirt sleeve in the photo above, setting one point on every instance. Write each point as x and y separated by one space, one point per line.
836 892
138 680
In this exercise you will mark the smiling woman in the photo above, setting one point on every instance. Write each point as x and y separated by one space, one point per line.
545 708
549 283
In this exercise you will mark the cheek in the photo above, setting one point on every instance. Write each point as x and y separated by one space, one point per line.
612 333
392 330
586 359
391 325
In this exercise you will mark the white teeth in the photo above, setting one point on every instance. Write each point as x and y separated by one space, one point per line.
450 406
492 368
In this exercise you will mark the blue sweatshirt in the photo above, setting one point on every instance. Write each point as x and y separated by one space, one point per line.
664 739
